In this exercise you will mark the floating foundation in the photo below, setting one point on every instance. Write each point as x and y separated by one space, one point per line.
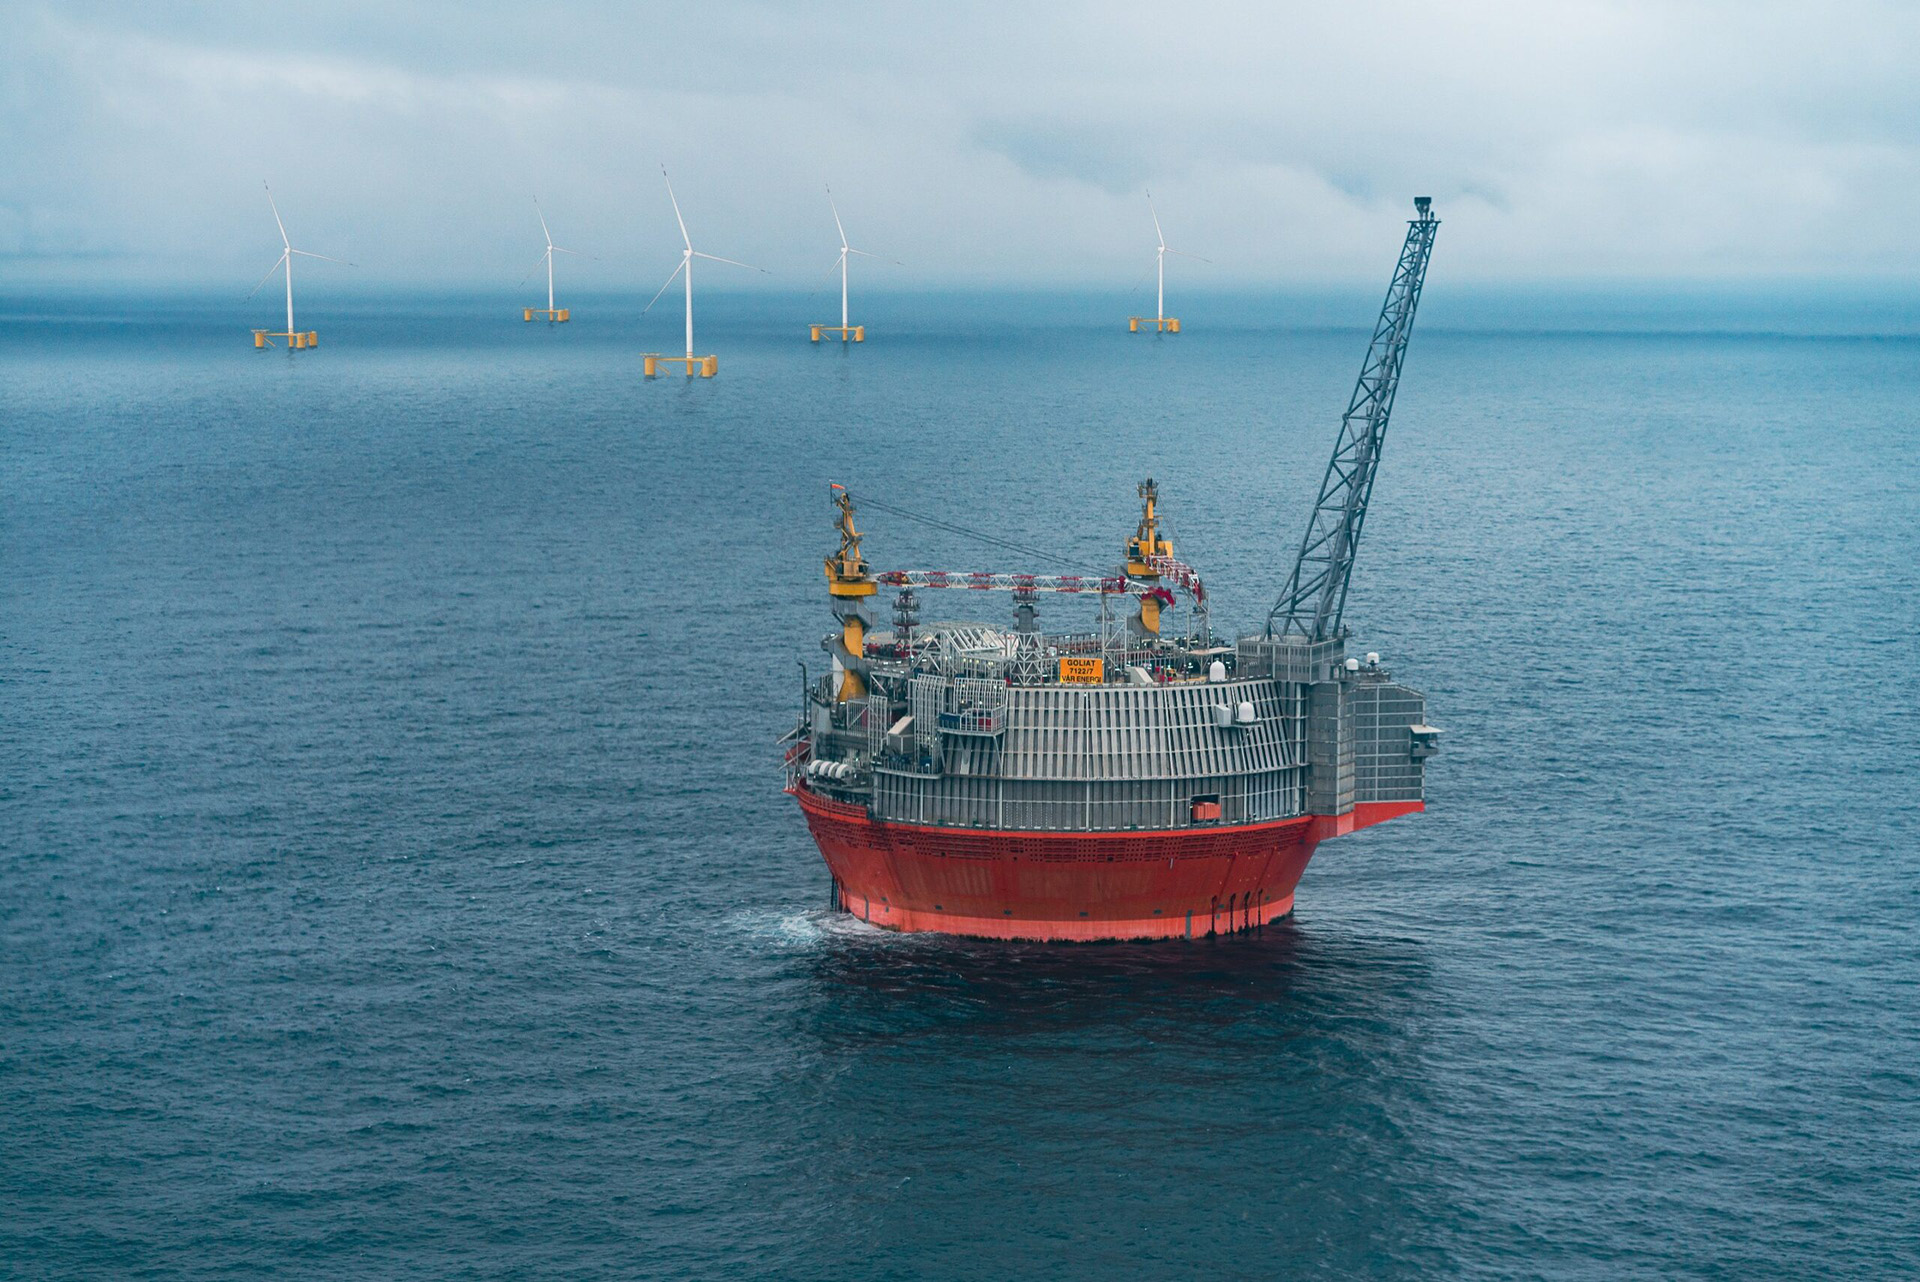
1071 886
1161 324
295 338
848 333
704 366
558 315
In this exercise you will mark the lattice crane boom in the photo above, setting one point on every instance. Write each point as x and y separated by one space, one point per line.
1316 592
989 581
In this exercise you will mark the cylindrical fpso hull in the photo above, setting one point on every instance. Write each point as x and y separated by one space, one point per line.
1047 885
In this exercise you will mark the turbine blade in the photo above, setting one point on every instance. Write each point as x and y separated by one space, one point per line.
556 249
322 257
538 263
836 218
543 222
676 208
663 289
276 216
716 258
1157 233
269 276
882 257
1181 253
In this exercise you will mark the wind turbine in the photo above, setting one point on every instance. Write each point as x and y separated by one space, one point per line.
704 366
858 332
1162 323
294 337
549 311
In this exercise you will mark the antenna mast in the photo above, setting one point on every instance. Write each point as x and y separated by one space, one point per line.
1316 592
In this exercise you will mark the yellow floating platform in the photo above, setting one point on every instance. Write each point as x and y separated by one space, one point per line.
555 314
853 333
704 366
295 338
1163 324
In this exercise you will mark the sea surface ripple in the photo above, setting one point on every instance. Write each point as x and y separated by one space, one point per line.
397 880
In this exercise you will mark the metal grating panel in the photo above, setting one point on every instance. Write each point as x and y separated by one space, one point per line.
1385 768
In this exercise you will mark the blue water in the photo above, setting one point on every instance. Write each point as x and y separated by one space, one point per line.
397 882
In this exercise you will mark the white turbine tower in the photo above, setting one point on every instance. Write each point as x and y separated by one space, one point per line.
858 333
549 311
293 336
1161 322
704 366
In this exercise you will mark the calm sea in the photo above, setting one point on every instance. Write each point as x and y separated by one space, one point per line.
395 878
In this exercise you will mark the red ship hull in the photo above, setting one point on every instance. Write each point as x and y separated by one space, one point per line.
1071 886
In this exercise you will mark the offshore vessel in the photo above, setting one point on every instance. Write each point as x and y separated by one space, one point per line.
1139 780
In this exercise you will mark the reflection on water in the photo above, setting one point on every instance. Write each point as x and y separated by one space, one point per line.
1284 974
1146 1103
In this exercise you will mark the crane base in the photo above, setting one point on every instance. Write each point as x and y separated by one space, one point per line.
295 338
557 315
1161 324
848 333
704 366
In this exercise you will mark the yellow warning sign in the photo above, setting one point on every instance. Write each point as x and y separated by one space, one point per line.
1082 672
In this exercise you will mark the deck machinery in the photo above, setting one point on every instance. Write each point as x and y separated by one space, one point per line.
1125 782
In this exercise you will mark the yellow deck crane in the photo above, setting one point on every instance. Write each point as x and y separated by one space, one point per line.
849 582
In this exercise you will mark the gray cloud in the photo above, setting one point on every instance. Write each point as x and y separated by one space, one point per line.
1098 155
1587 141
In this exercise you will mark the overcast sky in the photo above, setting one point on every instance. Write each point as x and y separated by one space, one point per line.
980 145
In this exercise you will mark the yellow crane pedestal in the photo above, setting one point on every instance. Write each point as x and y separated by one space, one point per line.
295 338
848 333
555 314
704 366
1161 324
